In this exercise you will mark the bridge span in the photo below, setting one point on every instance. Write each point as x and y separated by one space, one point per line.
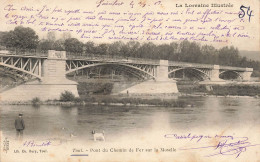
49 71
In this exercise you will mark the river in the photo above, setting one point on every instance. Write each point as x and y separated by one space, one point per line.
58 122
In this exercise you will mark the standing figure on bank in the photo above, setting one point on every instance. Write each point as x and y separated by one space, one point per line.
19 126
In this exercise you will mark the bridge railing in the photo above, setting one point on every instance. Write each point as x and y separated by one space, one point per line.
232 68
186 64
208 66
73 56
24 52
90 56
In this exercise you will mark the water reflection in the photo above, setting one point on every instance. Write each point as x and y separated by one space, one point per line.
42 121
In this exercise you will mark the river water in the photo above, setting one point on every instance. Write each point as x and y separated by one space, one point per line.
59 122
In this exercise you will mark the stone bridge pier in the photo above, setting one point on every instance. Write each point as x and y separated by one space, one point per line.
246 75
53 81
214 73
161 84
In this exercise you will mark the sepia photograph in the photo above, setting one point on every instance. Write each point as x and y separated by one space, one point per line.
129 80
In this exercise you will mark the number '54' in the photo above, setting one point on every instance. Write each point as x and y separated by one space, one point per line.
248 12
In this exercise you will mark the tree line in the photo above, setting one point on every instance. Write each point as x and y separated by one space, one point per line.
185 51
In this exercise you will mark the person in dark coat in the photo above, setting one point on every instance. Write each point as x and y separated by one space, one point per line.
19 126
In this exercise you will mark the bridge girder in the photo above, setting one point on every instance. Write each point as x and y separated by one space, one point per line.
125 69
203 73
235 72
143 70
131 71
5 71
28 66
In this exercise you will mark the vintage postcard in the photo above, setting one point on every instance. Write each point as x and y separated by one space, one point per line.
129 80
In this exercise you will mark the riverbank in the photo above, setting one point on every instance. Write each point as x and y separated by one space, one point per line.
123 100
188 87
105 100
166 100
221 90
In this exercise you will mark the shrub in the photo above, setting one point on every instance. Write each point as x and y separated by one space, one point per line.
77 99
36 101
67 96
124 101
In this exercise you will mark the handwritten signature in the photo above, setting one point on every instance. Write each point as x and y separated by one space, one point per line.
33 143
227 145
45 143
233 148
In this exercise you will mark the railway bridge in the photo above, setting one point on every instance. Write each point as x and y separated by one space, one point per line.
44 75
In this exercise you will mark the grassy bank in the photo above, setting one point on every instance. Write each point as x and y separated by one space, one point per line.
221 90
105 100
105 88
85 88
235 90
136 101
67 98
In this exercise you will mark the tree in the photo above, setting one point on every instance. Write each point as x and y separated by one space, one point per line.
164 51
195 53
66 35
131 49
73 45
1 38
228 56
89 47
21 38
190 52
184 51
51 36
243 62
115 48
45 45
59 45
101 49
147 50
209 54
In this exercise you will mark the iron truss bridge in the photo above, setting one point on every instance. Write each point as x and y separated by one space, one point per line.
29 65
